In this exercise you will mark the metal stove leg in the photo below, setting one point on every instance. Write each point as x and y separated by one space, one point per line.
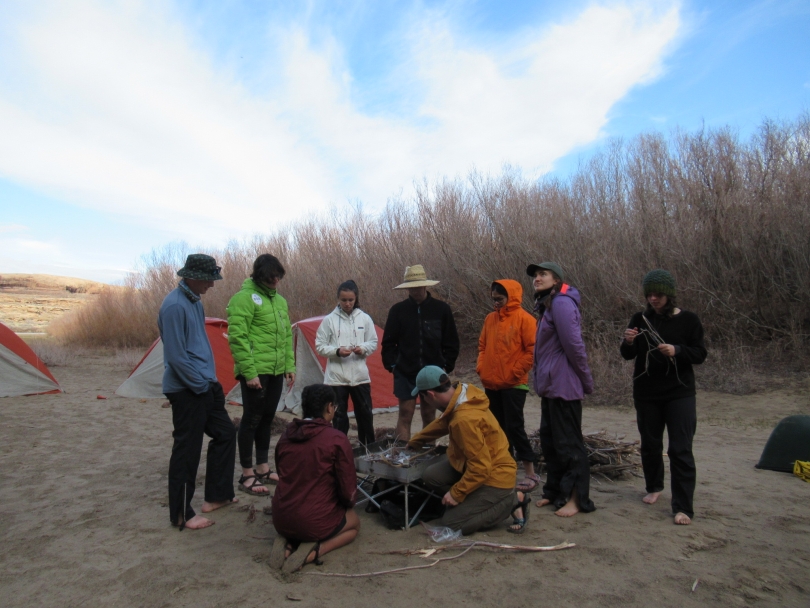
407 519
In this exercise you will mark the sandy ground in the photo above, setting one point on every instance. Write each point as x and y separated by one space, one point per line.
84 522
30 302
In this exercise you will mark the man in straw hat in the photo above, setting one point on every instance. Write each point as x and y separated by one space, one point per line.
419 331
198 403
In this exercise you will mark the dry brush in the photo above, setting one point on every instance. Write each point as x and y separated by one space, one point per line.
729 218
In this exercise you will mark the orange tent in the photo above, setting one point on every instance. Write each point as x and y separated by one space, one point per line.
21 371
146 380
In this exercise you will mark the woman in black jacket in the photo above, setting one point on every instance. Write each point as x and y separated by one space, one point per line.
665 342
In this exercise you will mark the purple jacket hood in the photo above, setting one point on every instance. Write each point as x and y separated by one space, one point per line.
560 363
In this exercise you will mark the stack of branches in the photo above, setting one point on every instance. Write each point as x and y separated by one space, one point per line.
610 458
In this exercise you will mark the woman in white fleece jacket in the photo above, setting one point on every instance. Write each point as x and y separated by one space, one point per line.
346 337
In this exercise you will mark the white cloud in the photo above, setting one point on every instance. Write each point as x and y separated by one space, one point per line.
8 228
112 107
26 255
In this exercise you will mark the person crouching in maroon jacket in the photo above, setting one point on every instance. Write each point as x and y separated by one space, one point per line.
312 505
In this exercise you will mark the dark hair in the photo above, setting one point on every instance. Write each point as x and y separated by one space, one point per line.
267 267
350 286
442 388
668 310
315 398
499 289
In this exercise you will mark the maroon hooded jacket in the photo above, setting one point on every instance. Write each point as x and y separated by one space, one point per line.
317 480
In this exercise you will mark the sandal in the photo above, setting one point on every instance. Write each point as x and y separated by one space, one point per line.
298 559
253 487
265 477
278 552
520 522
528 483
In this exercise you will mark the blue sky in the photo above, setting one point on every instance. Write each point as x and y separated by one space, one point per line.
127 126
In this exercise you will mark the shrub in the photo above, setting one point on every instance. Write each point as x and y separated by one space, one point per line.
728 218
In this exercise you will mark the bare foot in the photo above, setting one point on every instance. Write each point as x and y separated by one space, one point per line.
570 508
198 522
651 498
543 502
682 519
213 506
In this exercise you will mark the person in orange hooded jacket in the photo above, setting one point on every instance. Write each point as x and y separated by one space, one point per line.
505 352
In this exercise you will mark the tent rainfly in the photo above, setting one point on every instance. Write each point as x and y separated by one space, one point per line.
21 371
146 380
310 368
789 442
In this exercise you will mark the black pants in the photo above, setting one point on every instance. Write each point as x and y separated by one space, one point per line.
564 452
680 418
194 415
258 410
361 399
507 407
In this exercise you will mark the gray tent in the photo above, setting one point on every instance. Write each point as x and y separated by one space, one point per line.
789 442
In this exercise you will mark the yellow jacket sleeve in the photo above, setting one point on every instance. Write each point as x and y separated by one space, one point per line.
437 428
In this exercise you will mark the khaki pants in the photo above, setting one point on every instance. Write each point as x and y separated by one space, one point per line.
483 508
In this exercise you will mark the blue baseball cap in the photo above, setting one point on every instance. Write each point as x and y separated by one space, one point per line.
429 377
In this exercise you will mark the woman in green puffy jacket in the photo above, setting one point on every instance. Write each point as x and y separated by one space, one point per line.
260 337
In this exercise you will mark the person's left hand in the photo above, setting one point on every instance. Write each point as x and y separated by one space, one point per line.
667 350
290 378
448 500
357 350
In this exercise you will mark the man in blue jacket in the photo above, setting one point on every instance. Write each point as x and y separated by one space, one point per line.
198 402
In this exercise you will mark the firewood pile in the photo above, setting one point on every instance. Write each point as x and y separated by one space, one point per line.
610 458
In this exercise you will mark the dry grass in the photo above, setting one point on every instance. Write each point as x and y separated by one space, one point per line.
54 354
729 218
128 357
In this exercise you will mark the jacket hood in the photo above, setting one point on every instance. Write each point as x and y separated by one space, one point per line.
471 397
571 292
252 285
339 312
299 431
514 292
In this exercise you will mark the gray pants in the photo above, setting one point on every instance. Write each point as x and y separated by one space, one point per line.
483 508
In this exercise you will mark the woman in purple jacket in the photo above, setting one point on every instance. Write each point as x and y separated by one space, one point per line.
561 378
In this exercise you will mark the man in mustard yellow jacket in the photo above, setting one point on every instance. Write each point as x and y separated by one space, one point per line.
478 474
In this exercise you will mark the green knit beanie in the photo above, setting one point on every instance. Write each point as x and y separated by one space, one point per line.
659 281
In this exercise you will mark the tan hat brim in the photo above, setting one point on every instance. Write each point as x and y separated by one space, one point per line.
410 284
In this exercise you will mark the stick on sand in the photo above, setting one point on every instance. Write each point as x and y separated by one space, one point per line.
471 545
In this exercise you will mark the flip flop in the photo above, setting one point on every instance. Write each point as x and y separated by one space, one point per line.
277 556
251 489
297 560
528 483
